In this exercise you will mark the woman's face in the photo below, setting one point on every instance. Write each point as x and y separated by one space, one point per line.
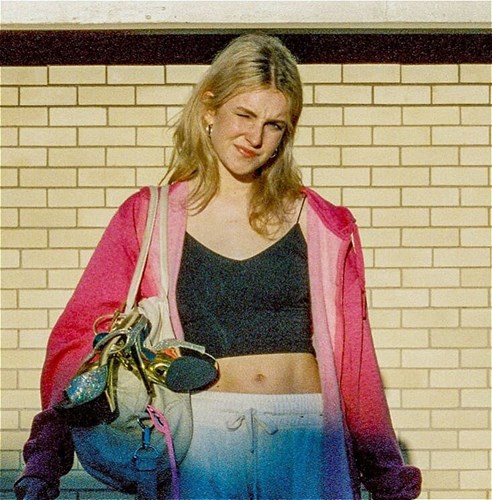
247 129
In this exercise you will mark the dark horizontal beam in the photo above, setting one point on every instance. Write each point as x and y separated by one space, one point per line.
75 47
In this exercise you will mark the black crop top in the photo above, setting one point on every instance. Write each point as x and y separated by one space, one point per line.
258 305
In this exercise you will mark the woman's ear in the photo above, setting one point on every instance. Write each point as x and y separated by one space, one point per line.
209 118
209 112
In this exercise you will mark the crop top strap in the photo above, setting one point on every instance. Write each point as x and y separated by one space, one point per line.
300 210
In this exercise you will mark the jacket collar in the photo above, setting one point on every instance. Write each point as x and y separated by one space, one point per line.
338 220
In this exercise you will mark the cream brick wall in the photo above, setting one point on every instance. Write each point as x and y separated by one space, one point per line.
406 147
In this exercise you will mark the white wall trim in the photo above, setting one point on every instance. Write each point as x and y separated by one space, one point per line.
287 14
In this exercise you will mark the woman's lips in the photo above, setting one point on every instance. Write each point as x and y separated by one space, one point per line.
246 152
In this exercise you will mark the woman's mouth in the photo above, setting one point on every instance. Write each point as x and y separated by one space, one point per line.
246 152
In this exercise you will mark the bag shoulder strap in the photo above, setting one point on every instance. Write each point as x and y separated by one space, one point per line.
144 251
163 200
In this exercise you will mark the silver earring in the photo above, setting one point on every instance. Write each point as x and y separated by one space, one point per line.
275 154
209 130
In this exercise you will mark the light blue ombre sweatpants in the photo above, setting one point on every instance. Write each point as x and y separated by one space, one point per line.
255 446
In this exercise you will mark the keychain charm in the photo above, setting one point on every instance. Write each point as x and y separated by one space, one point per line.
145 457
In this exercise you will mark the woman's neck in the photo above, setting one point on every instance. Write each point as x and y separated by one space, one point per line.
235 188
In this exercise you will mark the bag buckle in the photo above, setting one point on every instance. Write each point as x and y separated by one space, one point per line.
145 457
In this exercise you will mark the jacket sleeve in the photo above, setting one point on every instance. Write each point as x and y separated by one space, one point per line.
101 290
49 451
375 446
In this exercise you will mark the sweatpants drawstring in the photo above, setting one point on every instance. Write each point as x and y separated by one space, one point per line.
254 421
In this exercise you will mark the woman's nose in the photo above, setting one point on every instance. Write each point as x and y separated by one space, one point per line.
254 135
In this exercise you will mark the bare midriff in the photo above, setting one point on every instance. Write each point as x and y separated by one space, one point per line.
283 373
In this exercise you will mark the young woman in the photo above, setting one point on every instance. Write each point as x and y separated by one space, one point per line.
266 275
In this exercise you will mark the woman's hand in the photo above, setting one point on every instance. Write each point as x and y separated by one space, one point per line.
32 488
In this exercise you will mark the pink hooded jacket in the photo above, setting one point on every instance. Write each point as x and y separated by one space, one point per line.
361 443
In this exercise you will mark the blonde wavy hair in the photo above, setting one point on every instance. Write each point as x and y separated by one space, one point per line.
249 62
